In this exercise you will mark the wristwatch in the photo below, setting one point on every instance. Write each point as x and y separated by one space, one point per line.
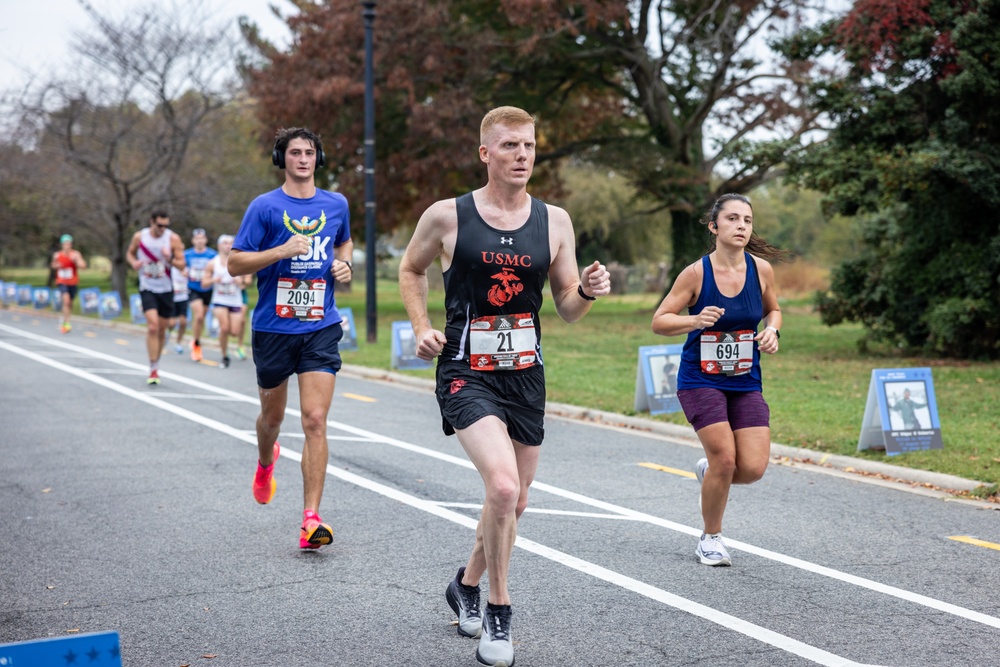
775 330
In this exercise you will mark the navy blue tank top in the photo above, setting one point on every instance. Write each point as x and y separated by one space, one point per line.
743 313
495 274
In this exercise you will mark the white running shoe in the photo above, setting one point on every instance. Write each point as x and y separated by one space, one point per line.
495 648
712 550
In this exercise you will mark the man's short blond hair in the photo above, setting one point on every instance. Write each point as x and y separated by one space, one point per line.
509 116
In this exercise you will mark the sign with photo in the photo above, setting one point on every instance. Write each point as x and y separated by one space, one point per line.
900 412
40 297
55 299
404 348
656 379
25 295
350 339
109 305
10 293
135 309
90 299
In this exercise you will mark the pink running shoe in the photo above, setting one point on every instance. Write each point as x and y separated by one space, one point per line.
264 484
314 532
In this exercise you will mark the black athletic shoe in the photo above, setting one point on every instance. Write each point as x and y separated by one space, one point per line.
464 601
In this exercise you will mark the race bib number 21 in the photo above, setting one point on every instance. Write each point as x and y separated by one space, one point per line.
502 342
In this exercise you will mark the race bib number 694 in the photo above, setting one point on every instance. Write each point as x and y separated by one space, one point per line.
727 352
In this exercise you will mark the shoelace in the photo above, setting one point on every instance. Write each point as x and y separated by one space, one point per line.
501 624
712 545
470 600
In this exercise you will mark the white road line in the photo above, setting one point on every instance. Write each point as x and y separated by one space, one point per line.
537 510
751 630
821 570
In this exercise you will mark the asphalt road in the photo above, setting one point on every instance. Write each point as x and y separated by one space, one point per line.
127 508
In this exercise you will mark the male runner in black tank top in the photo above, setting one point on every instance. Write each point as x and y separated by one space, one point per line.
498 245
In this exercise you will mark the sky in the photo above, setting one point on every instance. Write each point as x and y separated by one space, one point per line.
35 34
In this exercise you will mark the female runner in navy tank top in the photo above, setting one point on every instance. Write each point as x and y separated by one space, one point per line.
727 293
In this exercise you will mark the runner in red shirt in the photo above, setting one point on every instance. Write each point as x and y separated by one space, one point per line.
67 263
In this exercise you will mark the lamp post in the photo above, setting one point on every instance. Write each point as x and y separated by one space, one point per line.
371 313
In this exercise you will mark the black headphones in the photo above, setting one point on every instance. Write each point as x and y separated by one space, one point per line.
278 156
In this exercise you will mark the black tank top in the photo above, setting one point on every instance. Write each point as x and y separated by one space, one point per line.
494 272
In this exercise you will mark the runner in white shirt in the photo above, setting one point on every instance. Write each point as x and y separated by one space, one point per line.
151 253
227 297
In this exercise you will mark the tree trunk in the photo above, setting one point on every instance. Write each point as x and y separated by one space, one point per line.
690 242
119 267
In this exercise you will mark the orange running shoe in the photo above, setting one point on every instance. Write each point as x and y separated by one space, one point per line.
264 484
195 351
66 327
314 532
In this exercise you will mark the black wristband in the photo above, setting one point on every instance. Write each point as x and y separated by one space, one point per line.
350 266
579 290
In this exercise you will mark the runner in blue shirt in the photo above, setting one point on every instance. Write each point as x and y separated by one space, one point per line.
197 258
727 293
297 239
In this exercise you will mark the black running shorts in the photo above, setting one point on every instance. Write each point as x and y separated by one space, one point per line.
161 302
280 355
517 398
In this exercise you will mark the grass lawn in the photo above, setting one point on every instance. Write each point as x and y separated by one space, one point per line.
816 385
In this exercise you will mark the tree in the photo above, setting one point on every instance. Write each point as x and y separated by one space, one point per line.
668 94
123 122
914 154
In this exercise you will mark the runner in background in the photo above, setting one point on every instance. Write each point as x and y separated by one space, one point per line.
151 253
67 263
197 256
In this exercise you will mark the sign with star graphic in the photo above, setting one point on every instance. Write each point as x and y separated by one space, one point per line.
96 649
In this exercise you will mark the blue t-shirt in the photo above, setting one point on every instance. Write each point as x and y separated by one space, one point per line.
743 312
196 262
289 290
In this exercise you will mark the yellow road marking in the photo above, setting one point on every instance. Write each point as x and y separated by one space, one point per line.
359 397
974 541
672 471
121 341
90 334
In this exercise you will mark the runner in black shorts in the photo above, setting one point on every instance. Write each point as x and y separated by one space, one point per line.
498 246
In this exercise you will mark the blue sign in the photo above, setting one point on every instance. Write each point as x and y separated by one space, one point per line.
109 305
404 348
25 295
901 412
656 379
90 299
135 309
40 297
98 649
10 292
350 339
55 299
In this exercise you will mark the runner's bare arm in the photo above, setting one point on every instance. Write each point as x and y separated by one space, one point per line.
177 248
433 237
130 255
767 338
564 279
207 279
667 321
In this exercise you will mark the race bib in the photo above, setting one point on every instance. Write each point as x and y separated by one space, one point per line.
301 299
502 342
64 274
195 274
727 352
156 270
228 288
